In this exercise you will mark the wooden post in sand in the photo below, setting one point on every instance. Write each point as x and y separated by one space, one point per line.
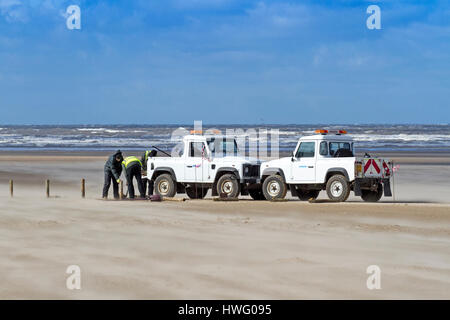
47 188
83 188
11 188
121 190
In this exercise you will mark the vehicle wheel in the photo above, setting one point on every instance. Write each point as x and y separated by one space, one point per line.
274 187
372 196
229 185
256 194
338 189
305 195
195 192
165 186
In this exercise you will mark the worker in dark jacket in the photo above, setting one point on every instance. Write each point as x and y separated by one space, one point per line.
145 179
113 169
133 168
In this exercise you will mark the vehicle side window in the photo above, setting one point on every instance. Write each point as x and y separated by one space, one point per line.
334 146
196 149
323 148
222 147
306 150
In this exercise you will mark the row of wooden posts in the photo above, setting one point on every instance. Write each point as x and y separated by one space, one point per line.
47 188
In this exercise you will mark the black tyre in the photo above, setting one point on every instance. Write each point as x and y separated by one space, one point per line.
305 195
274 187
165 186
228 185
338 189
256 194
195 192
372 196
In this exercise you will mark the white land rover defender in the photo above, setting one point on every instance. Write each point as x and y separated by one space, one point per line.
206 162
326 162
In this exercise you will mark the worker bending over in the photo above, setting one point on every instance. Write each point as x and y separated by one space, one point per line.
147 180
113 169
133 167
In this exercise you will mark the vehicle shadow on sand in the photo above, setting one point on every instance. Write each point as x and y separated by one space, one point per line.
356 201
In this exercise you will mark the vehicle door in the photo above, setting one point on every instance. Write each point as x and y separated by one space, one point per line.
193 171
303 165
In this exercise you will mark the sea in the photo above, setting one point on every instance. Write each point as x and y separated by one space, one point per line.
368 137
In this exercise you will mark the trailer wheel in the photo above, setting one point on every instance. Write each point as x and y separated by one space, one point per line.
256 194
338 189
229 185
274 187
305 195
195 192
165 186
372 196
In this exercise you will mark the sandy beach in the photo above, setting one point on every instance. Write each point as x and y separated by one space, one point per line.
204 249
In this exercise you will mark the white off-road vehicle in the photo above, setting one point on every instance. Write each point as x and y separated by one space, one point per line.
326 162
206 162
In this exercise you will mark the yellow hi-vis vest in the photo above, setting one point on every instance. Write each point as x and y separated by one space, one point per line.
146 155
129 160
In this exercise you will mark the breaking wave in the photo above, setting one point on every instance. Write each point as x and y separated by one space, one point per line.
368 137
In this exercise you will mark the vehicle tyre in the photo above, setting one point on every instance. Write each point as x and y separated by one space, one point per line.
338 189
256 194
195 192
274 187
165 186
348 195
372 196
229 185
305 195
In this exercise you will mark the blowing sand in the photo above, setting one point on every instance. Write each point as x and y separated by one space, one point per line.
218 250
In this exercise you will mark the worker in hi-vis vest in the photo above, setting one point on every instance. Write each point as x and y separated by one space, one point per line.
133 167
147 180
113 169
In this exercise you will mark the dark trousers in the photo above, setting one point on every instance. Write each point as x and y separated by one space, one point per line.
150 186
108 178
134 171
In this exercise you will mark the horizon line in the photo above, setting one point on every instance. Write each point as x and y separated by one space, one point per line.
221 124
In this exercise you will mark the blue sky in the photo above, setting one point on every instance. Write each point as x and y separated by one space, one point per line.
224 61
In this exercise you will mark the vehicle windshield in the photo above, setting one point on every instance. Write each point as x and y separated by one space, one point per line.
221 147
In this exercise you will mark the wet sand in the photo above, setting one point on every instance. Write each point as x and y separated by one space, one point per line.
219 250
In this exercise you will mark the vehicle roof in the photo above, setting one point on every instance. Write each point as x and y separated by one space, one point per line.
328 137
204 137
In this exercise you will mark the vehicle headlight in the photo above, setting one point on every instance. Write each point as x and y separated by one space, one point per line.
246 170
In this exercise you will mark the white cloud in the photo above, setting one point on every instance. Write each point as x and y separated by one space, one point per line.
280 15
9 3
19 11
186 4
12 10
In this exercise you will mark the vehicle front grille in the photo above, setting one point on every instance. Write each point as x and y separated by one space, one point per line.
253 170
